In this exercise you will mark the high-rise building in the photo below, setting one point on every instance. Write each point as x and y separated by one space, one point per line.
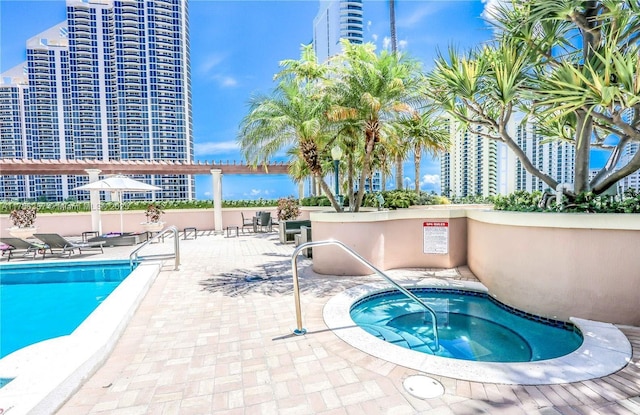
470 167
112 82
336 19
632 181
554 158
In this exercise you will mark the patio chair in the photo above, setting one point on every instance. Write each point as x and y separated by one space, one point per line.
53 240
264 221
11 245
250 222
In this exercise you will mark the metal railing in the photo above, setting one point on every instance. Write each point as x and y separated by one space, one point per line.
296 286
135 257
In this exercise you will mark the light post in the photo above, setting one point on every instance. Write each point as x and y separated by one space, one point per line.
336 155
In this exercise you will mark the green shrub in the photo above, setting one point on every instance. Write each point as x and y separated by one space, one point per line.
316 201
588 202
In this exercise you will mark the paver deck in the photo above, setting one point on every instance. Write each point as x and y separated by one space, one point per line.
215 338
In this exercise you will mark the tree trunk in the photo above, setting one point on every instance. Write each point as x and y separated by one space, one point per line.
417 157
584 128
351 174
399 172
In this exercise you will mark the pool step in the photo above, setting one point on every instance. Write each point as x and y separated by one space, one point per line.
155 256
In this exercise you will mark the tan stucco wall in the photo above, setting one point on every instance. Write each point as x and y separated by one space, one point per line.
387 239
584 265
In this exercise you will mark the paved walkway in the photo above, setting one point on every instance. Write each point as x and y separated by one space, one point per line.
215 338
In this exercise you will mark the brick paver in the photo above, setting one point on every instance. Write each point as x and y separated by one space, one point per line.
215 338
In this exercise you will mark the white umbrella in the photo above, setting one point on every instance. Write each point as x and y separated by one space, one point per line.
118 184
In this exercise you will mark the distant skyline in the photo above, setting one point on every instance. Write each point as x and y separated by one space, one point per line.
235 50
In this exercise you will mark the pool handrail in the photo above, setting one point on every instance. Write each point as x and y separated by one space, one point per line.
296 286
134 257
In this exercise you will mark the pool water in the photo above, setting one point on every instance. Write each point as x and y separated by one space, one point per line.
471 326
40 302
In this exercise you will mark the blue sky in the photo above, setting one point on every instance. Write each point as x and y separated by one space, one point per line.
235 50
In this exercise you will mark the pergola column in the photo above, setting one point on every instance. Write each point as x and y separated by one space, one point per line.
94 198
217 200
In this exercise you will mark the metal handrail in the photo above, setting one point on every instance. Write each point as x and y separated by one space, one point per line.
296 287
133 256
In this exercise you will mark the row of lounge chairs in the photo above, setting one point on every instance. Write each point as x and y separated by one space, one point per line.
47 242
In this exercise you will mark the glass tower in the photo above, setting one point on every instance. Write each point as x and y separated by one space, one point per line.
111 82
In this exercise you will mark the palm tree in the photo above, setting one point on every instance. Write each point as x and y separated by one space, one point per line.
374 92
293 116
394 49
427 132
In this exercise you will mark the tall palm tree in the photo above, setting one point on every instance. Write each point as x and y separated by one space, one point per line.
399 158
428 132
373 91
293 116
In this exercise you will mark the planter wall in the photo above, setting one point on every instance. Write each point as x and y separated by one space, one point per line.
559 265
387 239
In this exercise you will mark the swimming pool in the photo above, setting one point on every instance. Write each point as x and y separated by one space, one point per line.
44 301
471 326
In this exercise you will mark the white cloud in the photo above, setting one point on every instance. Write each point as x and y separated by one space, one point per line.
491 8
258 192
430 179
209 66
421 13
220 147
386 43
374 37
402 44
225 81
210 62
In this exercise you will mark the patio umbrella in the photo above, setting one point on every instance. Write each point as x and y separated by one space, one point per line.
118 184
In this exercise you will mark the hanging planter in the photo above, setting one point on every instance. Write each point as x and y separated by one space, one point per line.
23 222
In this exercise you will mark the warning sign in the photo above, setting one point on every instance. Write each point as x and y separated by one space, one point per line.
436 237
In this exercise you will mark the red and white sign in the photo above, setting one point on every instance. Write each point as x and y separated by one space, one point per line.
436 237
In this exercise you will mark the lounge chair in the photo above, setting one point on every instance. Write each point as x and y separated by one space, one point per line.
53 240
16 244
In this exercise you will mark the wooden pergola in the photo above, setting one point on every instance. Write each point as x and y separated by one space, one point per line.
94 168
10 167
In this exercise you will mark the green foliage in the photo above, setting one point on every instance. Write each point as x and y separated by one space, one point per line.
393 199
471 200
587 202
64 207
288 209
316 201
426 198
519 201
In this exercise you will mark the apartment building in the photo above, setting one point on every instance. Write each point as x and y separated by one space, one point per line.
111 82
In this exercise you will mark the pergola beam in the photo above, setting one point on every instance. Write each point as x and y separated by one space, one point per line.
10 167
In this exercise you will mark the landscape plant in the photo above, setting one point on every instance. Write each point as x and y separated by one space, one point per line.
570 67
153 212
24 217
288 209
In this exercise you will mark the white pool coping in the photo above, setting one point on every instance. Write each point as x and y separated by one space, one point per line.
47 373
605 348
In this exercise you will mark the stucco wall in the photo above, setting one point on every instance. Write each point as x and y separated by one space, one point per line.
387 239
584 266
73 224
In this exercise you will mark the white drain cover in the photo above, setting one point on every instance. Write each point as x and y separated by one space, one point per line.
423 387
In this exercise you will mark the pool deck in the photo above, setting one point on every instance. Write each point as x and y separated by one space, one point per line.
215 338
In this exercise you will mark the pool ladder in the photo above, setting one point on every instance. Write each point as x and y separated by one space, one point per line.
296 286
136 258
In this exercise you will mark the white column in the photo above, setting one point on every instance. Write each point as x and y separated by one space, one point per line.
217 200
301 190
94 197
